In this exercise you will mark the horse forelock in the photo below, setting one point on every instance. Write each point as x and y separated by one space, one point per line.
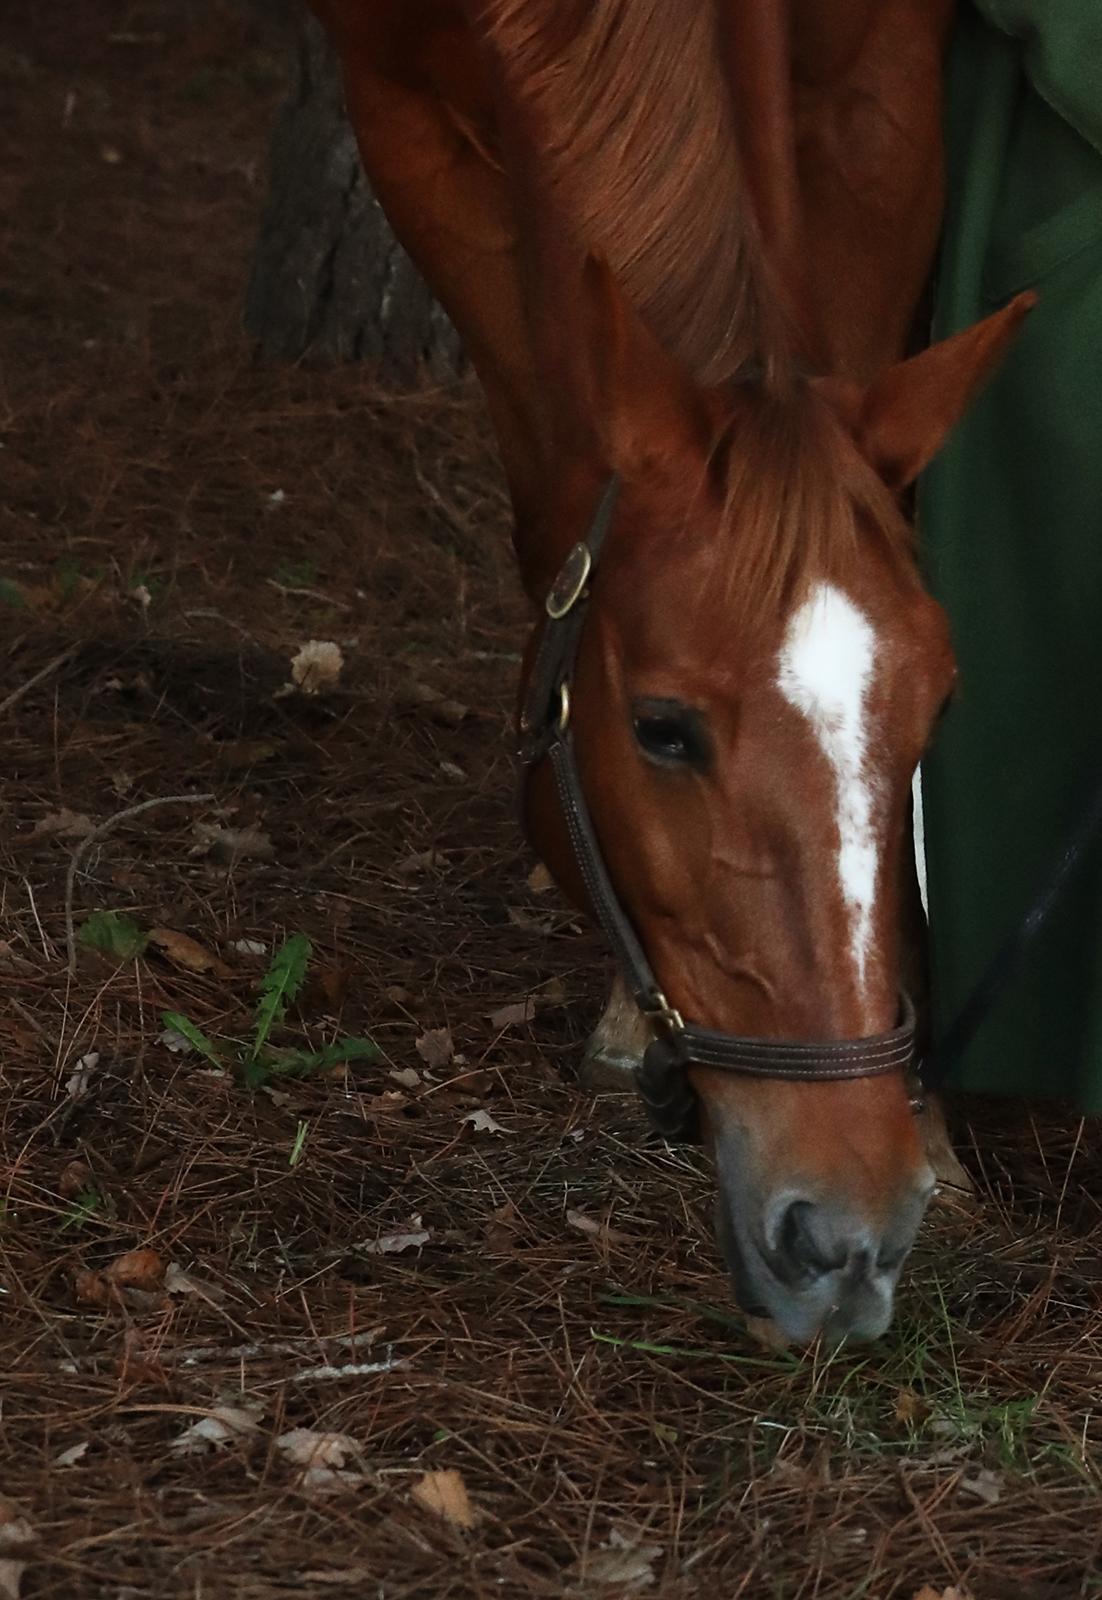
782 503
796 507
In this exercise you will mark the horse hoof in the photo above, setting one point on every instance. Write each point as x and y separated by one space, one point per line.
940 1153
607 1069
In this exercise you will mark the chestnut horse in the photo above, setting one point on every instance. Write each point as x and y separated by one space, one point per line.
684 241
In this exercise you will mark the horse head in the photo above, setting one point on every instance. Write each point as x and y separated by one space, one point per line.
758 675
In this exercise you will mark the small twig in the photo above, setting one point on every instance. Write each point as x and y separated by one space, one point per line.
36 678
94 838
308 594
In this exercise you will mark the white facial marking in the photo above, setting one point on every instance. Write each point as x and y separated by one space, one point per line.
825 671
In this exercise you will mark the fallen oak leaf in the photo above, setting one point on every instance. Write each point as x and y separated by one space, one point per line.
15 1534
393 1244
185 952
137 1269
911 1409
307 1447
584 1224
625 1560
63 824
985 1485
519 1011
229 845
445 1494
317 666
435 1047
482 1122
177 1281
15 1527
222 1425
11 1578
419 861
76 1176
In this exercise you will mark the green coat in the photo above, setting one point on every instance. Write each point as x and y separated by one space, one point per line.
1010 520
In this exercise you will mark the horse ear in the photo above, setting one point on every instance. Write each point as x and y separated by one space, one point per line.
643 406
903 418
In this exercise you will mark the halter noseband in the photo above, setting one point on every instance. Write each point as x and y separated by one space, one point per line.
662 1078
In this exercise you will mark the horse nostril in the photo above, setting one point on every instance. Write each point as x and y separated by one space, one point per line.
806 1243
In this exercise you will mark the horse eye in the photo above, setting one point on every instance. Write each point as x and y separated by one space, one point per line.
672 735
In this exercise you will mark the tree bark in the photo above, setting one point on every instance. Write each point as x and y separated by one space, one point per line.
329 281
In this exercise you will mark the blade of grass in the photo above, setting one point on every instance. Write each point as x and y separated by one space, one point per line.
194 1036
685 1352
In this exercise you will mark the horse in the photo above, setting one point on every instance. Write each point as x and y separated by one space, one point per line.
684 242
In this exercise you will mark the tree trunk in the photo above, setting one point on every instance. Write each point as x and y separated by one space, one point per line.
329 280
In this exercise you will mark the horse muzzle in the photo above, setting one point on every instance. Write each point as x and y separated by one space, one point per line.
811 1261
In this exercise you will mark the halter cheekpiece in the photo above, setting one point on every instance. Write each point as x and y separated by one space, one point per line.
662 1078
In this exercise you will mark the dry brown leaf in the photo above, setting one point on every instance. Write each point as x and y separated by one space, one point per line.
445 1494
184 951
246 752
393 1244
527 922
137 1269
482 1122
317 666
584 1224
435 1047
306 1447
985 1485
910 1408
540 880
227 845
16 1533
625 1560
63 824
177 1281
15 1528
11 1576
407 1077
519 1011
420 861
75 1176
222 1425
440 709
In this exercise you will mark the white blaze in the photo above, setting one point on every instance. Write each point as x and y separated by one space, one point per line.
826 665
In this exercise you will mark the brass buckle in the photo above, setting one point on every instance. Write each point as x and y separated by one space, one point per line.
563 717
664 1016
568 586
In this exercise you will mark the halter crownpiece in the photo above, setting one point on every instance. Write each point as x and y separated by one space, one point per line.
662 1078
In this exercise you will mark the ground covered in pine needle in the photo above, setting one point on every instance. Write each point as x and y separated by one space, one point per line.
437 1323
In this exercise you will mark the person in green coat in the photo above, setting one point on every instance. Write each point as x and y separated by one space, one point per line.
1010 519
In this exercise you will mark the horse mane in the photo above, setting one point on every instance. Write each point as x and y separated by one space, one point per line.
627 111
628 106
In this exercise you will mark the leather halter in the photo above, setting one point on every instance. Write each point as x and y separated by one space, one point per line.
662 1078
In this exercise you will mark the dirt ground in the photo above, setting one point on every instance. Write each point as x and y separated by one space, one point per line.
437 1324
